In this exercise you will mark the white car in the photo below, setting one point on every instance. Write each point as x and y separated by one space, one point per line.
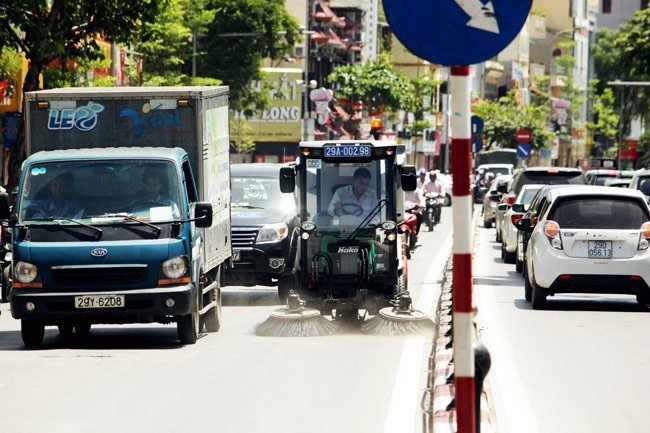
641 181
508 229
588 239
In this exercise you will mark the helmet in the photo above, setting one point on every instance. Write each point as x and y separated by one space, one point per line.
422 171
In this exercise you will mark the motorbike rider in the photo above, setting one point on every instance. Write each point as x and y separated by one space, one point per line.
434 188
422 179
415 200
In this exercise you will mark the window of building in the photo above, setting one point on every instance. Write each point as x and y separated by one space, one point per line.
607 6
644 4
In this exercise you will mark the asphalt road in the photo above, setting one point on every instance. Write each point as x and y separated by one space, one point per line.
139 378
581 365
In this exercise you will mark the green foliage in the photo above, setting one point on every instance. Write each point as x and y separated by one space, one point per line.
78 75
270 32
605 115
240 139
375 84
424 86
10 61
633 39
68 28
503 118
418 126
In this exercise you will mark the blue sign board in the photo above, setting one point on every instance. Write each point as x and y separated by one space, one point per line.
477 128
523 150
456 32
11 125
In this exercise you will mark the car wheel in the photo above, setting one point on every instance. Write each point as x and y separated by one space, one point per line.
508 257
498 235
643 297
82 328
32 332
447 201
518 264
538 295
528 288
487 224
66 327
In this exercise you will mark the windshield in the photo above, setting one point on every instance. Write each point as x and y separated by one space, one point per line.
341 195
261 193
100 191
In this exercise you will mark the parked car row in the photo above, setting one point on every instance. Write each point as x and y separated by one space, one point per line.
569 237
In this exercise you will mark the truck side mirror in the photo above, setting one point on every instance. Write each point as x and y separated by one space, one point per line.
203 214
409 178
287 179
502 188
5 206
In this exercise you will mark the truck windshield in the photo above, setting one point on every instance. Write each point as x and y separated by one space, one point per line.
341 195
95 191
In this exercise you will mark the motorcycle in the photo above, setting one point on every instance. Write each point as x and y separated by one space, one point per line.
433 205
409 229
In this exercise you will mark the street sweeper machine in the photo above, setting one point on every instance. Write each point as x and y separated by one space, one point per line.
350 263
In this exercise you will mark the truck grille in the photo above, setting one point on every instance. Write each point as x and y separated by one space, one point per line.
99 276
244 237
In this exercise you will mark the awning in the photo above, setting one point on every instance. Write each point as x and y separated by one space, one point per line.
336 20
319 37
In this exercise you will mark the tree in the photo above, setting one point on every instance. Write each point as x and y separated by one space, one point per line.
10 61
375 86
266 29
503 118
67 30
605 116
240 139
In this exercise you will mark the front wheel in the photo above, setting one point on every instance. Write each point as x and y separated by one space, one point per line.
188 327
32 332
407 244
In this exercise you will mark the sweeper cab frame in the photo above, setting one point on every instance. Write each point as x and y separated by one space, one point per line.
350 196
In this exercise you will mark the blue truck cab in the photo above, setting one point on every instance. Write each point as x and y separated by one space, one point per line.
129 234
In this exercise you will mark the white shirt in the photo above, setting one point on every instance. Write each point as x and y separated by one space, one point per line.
368 199
414 198
434 187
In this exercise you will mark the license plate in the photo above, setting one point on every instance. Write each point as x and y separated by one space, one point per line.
236 255
599 249
99 301
347 151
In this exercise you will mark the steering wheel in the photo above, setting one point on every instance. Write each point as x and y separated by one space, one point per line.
32 210
146 205
349 209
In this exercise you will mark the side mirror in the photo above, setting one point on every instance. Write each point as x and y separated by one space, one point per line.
287 179
502 188
203 214
409 178
502 207
518 207
5 206
524 225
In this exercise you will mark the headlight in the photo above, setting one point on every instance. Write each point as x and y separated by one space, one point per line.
388 226
25 272
308 226
272 233
175 267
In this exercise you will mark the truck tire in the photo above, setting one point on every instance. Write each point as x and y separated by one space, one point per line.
32 332
188 326
6 283
212 319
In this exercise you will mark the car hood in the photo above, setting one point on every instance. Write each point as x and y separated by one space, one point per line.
258 217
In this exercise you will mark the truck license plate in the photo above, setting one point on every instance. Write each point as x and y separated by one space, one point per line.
99 301
599 249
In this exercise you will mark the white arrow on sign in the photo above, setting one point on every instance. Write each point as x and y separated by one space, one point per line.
482 15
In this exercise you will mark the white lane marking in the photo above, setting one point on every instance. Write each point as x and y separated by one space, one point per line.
405 400
406 393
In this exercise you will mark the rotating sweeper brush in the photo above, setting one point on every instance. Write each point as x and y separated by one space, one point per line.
400 319
295 320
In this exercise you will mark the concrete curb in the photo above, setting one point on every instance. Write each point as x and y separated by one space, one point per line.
442 419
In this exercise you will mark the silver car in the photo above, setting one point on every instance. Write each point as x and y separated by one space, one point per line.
512 215
492 199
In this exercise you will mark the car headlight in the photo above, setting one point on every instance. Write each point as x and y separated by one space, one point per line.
175 267
272 233
25 272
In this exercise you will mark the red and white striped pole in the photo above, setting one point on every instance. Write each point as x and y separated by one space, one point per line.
463 326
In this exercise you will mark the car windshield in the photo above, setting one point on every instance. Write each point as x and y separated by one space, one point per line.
341 195
99 191
527 195
599 213
260 192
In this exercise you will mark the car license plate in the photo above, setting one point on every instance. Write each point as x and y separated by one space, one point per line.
99 301
599 249
236 255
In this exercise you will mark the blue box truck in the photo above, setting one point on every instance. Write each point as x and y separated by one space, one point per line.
123 210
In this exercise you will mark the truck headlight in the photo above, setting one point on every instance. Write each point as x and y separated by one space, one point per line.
175 267
272 233
25 272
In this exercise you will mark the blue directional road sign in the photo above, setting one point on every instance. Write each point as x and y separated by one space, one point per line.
456 32
477 128
523 150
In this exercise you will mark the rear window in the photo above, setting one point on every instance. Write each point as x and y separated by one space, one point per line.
644 185
602 178
549 178
599 213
